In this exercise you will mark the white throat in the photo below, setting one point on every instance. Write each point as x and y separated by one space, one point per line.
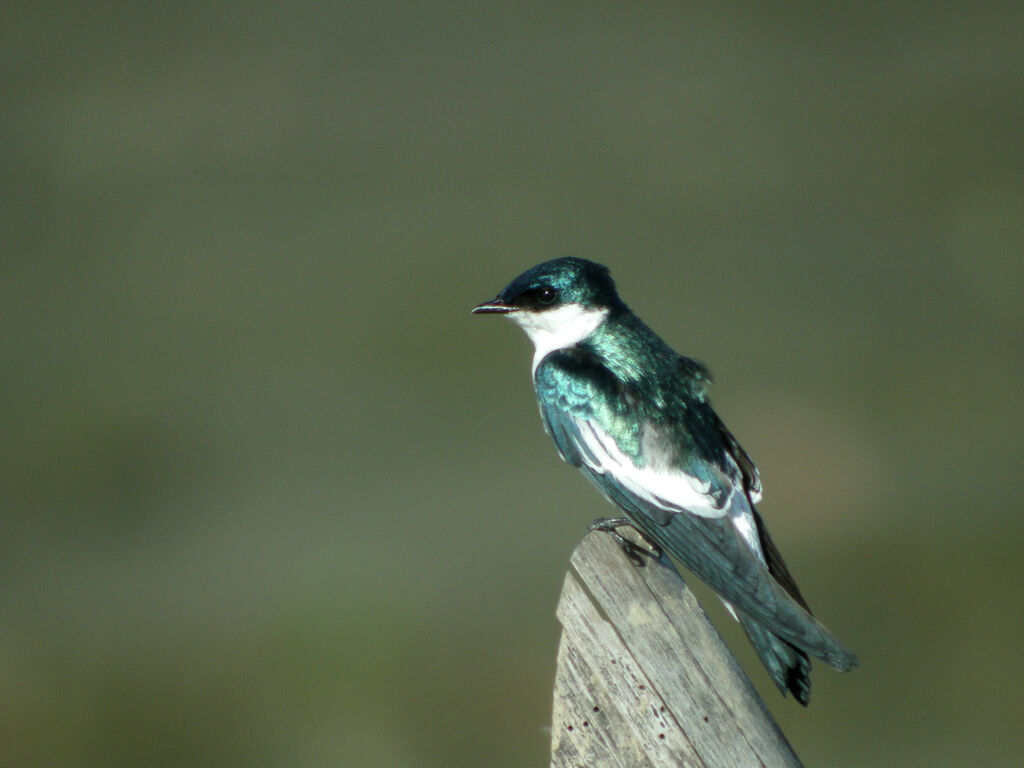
558 328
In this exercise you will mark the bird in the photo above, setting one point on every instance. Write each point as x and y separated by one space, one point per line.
634 416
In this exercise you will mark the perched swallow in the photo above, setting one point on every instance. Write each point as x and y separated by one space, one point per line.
634 417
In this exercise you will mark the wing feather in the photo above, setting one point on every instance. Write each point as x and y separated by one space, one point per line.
696 509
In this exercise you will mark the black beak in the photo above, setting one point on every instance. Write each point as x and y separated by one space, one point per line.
495 306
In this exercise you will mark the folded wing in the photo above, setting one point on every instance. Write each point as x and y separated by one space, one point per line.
690 499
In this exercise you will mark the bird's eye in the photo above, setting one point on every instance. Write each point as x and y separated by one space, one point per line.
547 295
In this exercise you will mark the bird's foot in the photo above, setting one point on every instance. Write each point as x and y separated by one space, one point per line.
632 550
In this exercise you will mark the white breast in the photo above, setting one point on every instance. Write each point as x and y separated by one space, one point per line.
558 328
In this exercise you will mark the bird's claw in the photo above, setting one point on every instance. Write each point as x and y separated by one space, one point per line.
632 550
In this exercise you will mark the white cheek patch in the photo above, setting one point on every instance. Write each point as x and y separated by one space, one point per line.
558 328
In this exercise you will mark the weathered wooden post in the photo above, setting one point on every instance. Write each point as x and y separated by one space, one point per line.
644 679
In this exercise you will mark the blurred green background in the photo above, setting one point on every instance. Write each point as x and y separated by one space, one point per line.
271 497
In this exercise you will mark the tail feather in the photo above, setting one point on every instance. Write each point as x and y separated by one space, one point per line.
827 648
788 666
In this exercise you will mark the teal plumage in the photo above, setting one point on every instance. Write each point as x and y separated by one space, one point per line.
634 416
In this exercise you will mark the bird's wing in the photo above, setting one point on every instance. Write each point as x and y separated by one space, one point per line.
751 477
583 405
694 508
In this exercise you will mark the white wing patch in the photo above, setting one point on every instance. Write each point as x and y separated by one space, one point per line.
665 487
742 520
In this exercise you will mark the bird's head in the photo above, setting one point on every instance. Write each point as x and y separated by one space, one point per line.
558 303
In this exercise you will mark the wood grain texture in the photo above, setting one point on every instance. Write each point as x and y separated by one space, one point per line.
644 679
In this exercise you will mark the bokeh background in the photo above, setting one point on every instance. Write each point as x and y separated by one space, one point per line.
271 497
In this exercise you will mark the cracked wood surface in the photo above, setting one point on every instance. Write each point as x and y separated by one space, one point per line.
644 679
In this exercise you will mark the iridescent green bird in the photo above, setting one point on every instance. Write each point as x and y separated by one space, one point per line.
634 417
